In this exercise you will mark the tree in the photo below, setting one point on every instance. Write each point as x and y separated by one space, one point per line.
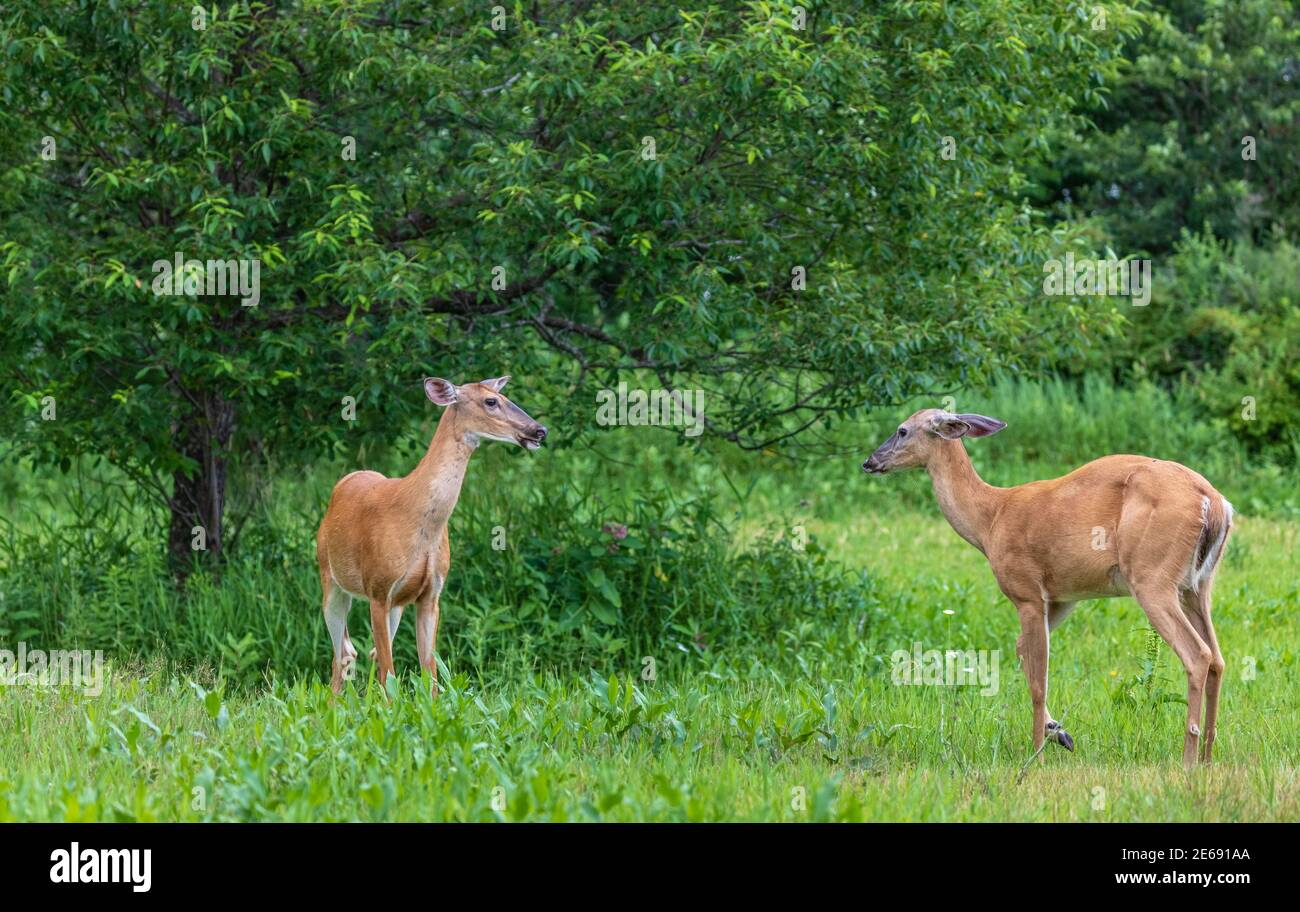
796 209
1200 130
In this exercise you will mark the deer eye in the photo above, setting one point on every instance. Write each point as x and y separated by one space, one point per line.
902 432
490 403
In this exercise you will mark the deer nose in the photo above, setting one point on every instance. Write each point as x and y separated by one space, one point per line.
540 433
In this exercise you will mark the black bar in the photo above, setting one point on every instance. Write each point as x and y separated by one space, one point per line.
332 861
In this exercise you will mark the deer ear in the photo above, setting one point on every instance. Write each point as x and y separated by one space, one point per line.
981 425
495 385
441 391
949 427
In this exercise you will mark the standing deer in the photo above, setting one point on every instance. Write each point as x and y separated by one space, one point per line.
385 539
1118 526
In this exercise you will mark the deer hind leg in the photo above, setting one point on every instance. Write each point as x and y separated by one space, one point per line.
337 605
1156 539
1196 606
1162 606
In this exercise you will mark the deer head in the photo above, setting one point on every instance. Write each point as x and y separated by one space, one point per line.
484 413
919 436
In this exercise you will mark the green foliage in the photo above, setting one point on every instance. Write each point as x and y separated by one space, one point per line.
1245 302
571 588
1224 326
520 150
818 733
1054 427
770 696
1063 425
1168 154
592 193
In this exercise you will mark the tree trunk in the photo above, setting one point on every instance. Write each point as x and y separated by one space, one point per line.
198 497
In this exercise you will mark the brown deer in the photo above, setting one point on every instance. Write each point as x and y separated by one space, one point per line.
385 539
1118 526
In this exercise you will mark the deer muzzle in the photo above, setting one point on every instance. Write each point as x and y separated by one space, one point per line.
532 438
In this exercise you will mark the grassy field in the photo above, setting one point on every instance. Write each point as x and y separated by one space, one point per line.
820 733
730 658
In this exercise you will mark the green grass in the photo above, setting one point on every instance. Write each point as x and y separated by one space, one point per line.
823 735
772 696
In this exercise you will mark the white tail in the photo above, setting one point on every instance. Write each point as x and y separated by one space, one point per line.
1208 557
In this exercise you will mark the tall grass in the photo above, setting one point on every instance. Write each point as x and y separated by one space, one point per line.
815 730
566 559
667 633
1053 427
560 578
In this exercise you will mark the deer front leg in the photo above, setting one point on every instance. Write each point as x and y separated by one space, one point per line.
426 637
1056 613
394 619
379 618
1032 650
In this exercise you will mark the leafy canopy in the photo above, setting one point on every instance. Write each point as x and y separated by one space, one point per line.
646 182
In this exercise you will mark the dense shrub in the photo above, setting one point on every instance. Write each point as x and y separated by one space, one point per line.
1200 129
563 579
1225 320
1054 426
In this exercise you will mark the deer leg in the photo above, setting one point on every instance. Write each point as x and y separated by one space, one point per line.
350 650
426 637
1031 647
394 618
1162 606
1056 613
1196 606
379 620
337 605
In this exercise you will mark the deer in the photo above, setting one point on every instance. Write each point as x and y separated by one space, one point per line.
1118 526
385 539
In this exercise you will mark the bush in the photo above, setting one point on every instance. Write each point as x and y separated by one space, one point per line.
1205 85
1055 426
579 581
1225 321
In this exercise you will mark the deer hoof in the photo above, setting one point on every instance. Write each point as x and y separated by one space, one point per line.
1060 736
373 652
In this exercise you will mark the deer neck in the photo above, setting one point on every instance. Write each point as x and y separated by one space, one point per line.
967 502
434 485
